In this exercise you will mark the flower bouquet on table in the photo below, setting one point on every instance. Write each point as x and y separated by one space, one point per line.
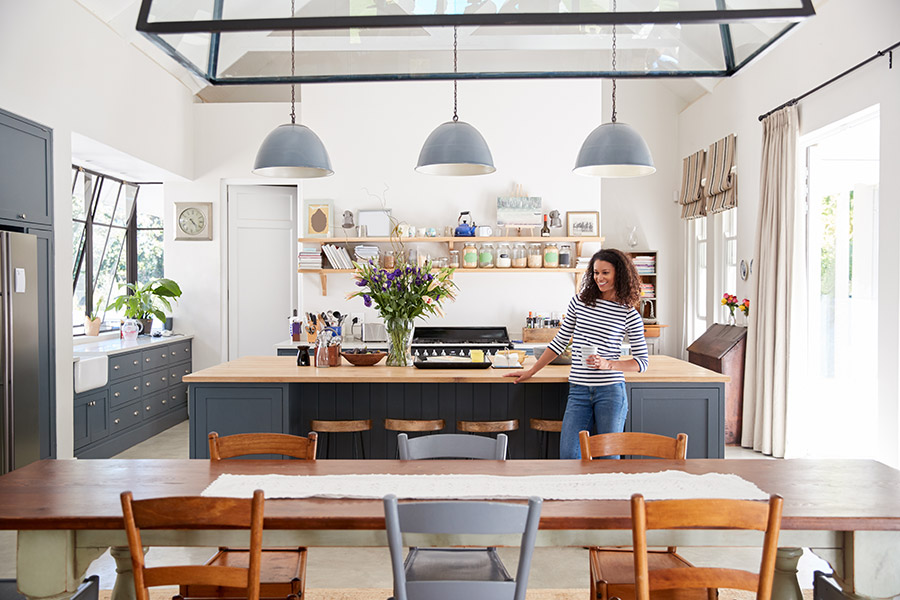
400 295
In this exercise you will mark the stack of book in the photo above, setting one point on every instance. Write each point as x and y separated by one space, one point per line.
648 290
310 258
583 262
646 265
338 257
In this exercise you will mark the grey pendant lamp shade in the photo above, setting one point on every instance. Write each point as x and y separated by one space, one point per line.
614 149
295 151
292 150
455 147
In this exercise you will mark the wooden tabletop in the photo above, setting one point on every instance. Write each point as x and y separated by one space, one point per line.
828 495
284 369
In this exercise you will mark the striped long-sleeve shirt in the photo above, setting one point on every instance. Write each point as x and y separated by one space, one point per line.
605 327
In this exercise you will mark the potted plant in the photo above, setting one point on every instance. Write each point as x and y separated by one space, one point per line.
92 320
143 301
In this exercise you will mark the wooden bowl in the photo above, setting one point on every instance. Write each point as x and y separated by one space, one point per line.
363 360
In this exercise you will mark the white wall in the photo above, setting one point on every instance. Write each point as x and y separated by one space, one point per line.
63 68
841 35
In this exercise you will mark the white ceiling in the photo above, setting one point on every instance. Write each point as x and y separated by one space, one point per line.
121 17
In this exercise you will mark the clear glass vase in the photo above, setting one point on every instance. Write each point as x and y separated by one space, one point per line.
399 334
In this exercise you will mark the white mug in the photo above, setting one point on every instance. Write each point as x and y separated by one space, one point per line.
484 231
586 351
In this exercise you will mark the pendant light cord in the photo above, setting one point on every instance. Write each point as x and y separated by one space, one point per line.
455 116
293 114
613 66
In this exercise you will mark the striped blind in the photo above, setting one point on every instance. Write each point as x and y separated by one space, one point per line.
693 200
721 183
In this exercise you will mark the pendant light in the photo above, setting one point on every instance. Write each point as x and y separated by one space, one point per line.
614 149
292 150
455 147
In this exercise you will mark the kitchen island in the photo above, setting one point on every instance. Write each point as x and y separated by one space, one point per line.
273 394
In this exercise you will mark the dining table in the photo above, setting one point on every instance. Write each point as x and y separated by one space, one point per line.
68 513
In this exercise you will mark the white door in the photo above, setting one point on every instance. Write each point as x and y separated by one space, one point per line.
262 267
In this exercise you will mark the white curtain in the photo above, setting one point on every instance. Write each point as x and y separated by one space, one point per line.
780 280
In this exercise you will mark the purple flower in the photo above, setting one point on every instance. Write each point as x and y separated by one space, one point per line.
362 282
367 300
429 277
437 295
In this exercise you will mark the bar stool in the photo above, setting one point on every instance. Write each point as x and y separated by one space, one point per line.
545 427
413 425
330 427
487 426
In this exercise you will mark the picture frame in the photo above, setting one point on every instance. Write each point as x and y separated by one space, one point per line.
377 222
318 218
519 211
583 223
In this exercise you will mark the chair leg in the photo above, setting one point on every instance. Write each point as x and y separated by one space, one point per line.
362 448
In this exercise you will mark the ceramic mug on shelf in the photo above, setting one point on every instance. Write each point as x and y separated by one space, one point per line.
484 231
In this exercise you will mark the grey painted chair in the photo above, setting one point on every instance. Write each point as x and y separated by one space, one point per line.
453 573
452 445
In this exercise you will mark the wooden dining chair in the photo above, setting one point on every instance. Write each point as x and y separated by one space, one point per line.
713 513
194 512
612 569
282 570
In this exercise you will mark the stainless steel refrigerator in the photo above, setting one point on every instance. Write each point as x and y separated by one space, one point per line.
19 426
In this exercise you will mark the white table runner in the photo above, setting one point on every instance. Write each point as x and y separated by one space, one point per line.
594 486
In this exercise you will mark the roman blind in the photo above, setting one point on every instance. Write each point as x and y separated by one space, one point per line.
721 183
693 199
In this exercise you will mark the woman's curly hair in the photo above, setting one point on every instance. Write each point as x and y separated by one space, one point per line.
627 284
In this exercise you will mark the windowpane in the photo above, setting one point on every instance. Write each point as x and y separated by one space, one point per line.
78 305
111 272
150 254
106 204
126 204
150 207
78 206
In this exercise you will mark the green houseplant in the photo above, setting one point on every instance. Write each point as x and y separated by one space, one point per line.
92 320
147 301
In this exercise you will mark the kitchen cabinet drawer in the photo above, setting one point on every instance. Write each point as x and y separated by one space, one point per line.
124 392
180 351
177 396
155 358
124 365
123 418
155 405
155 381
176 372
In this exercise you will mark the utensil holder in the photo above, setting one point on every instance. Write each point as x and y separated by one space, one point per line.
332 356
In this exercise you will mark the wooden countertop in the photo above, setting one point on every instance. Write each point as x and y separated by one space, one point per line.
284 369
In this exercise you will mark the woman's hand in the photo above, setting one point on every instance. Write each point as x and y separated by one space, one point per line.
595 361
520 375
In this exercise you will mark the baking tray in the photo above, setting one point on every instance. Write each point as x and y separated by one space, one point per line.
425 364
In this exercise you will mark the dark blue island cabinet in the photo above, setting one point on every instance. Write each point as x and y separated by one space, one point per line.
673 396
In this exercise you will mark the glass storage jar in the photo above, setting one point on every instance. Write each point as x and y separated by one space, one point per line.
387 260
486 256
454 259
551 255
565 256
519 256
504 258
535 256
470 256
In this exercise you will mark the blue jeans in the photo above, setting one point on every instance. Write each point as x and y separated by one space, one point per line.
594 408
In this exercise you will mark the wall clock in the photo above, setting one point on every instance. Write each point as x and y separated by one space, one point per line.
193 220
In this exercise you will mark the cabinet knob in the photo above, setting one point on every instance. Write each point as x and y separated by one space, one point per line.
135 362
174 375
92 403
187 371
135 388
115 367
147 384
146 360
137 413
163 355
187 349
117 394
148 408
164 401
22 216
116 422
163 378
173 397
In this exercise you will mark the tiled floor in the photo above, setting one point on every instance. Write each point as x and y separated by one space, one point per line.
370 567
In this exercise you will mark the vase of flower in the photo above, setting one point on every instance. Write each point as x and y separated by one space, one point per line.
399 334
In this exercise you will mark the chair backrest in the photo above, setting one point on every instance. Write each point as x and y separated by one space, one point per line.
461 517
710 514
244 444
194 512
639 444
452 445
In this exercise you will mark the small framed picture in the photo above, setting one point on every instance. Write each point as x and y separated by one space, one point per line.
583 223
318 218
377 222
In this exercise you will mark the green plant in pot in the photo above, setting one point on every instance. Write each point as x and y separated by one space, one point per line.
92 320
146 301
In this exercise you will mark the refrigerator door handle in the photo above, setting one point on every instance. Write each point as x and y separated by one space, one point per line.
6 357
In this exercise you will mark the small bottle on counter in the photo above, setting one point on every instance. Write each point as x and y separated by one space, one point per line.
529 322
504 260
551 255
470 256
519 256
535 256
